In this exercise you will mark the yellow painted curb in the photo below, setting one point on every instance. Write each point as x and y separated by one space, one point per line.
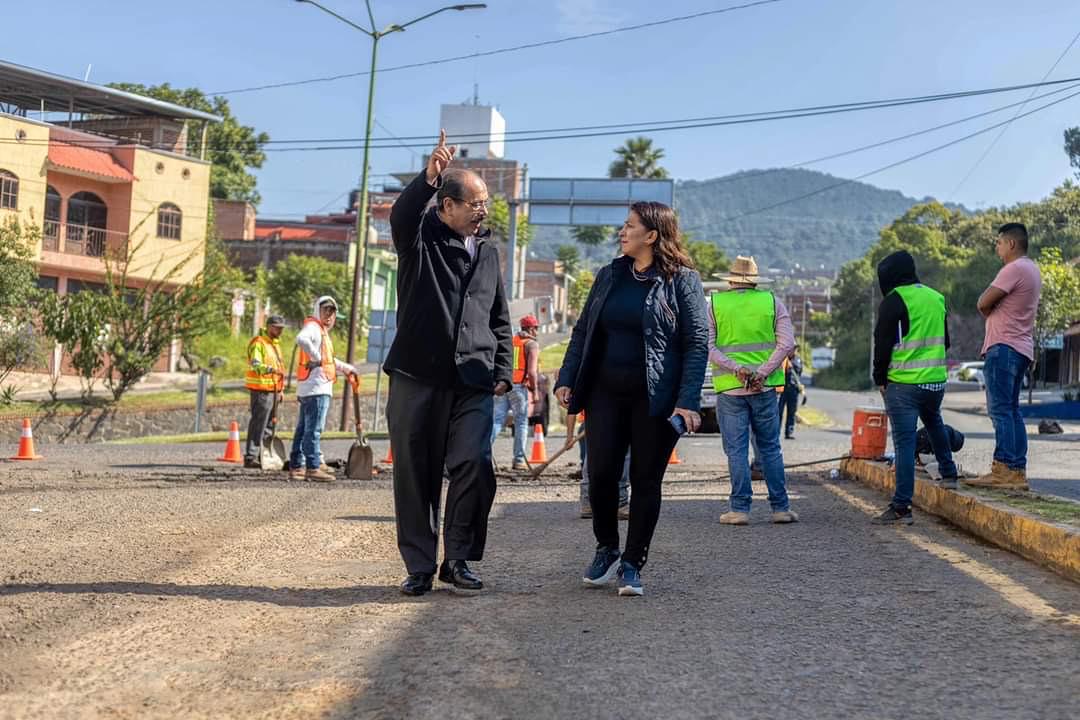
1054 545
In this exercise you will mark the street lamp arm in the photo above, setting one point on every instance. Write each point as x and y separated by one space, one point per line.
397 27
343 19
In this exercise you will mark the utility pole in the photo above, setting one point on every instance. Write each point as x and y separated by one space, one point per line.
362 211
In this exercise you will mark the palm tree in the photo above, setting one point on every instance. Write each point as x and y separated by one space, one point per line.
638 159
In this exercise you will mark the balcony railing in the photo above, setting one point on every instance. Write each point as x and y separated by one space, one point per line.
76 239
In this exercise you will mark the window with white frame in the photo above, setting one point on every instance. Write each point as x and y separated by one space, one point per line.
9 191
168 221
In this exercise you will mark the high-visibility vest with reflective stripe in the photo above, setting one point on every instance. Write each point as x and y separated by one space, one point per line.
919 357
746 333
327 352
519 360
271 357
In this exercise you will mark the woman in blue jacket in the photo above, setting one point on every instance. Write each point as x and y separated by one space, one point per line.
635 364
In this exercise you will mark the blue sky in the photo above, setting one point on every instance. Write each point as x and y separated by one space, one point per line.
791 53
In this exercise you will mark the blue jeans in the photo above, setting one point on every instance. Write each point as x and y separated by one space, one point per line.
309 427
518 401
906 405
1003 372
740 415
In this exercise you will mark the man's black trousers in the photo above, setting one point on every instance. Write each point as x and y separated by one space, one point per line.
432 428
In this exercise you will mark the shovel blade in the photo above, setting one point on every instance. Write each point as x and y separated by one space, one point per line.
272 455
361 462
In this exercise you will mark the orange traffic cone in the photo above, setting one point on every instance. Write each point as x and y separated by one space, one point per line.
389 459
674 459
539 450
26 443
232 447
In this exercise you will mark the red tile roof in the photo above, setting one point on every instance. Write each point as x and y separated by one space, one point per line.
87 161
283 232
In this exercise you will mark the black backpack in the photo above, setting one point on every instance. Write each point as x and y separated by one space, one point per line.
922 440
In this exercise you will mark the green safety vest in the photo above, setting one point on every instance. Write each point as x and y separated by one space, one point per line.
746 333
919 357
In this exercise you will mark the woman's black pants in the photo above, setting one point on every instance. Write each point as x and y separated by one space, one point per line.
617 421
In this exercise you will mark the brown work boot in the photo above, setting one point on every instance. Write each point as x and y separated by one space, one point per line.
734 517
1001 477
296 474
319 475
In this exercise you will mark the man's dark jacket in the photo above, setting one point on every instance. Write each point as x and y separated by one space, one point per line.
453 324
893 323
676 340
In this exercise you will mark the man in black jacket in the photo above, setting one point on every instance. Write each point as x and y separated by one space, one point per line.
910 340
451 352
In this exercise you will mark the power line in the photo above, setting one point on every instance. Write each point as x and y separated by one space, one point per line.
898 162
997 137
889 141
627 127
500 51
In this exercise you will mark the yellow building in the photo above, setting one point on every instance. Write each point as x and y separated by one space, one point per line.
105 176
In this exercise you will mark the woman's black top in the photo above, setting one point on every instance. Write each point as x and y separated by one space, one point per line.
620 364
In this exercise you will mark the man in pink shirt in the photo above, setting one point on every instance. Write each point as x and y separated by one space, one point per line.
1009 306
750 334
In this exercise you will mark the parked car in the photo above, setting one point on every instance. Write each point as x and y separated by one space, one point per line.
965 371
709 422
973 372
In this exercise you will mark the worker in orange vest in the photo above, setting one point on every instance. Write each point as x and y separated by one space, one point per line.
316 371
526 369
264 379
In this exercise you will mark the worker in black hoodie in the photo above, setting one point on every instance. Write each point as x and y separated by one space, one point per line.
910 340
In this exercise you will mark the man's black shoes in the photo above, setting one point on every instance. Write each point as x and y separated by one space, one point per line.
458 574
417 584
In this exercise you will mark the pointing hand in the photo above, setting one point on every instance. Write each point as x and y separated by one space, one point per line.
440 158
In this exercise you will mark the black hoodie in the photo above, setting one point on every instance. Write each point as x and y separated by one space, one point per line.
892 321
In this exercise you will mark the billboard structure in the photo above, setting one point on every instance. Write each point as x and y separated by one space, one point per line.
591 201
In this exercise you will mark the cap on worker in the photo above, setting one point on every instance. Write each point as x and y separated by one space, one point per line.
275 321
529 321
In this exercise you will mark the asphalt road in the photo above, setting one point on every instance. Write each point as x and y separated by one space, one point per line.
1053 460
150 581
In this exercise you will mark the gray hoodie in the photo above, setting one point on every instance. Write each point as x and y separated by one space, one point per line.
310 341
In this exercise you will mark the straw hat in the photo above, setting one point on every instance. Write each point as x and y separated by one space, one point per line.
744 270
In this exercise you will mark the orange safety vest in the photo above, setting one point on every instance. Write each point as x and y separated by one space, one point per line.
519 360
272 357
327 350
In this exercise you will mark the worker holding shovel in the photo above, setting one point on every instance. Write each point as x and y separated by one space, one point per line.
265 380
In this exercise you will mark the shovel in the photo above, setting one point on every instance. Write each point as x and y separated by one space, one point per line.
272 452
361 458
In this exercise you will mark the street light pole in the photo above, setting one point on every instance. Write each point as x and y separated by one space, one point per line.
359 276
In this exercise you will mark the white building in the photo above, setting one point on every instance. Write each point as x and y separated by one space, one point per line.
477 130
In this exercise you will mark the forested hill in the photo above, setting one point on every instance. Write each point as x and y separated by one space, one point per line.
827 228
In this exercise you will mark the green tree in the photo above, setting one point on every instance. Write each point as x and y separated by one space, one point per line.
579 291
1072 147
570 257
234 149
20 344
708 258
498 220
296 281
78 324
637 158
593 235
854 296
1059 304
